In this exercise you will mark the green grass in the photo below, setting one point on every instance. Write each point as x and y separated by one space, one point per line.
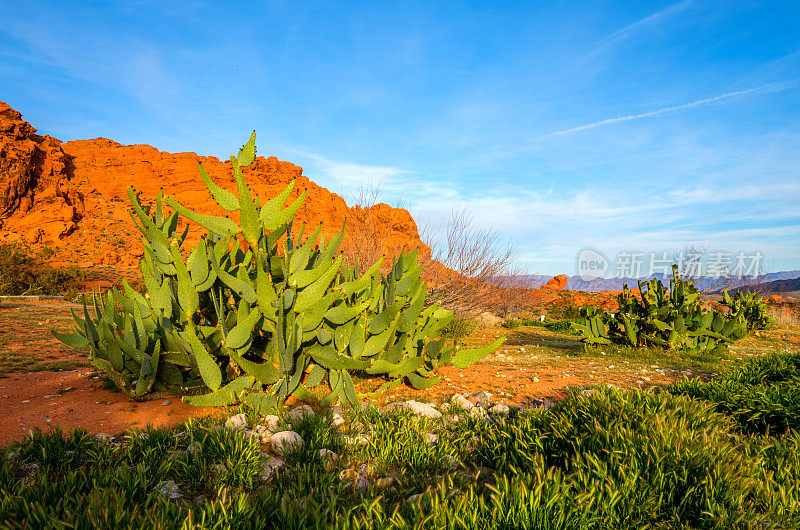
694 456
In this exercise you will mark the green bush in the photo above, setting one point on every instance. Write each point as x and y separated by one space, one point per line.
24 271
459 328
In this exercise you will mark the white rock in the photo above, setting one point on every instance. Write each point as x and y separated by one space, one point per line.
461 402
169 489
500 409
285 441
430 438
415 407
299 412
445 408
271 467
337 420
271 422
236 423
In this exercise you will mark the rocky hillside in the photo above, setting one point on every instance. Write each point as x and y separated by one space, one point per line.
72 196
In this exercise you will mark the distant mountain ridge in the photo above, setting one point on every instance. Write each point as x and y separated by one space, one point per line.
576 283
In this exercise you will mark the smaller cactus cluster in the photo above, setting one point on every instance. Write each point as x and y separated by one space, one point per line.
670 319
257 312
752 306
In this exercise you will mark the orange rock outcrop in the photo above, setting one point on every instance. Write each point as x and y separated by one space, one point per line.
73 196
557 282
38 198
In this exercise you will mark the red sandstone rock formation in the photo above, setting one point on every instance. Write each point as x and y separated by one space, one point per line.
74 196
557 282
38 200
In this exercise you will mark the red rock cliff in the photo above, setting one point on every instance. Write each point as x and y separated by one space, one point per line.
76 193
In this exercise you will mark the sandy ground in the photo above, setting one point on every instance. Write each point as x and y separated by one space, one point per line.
76 398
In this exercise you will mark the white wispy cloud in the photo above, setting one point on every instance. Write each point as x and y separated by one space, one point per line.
639 25
763 89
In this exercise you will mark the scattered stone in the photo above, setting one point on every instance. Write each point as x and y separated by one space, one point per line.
535 379
414 499
262 433
103 438
481 399
449 461
285 441
271 421
271 467
337 420
361 484
461 402
540 403
336 409
415 407
300 412
444 408
479 412
588 392
329 458
430 438
170 490
348 474
192 449
236 423
500 410
389 481
368 470
165 402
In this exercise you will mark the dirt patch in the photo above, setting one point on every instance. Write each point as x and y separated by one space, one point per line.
76 398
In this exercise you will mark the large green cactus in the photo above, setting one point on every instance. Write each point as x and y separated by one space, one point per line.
670 319
259 313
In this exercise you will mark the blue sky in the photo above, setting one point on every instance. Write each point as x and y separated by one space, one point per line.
616 125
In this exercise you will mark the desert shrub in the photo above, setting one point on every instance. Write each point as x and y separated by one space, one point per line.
459 327
763 395
24 271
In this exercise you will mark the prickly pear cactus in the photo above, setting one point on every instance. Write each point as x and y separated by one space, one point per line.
751 307
257 312
670 319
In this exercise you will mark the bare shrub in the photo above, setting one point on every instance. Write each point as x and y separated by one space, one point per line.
469 269
785 317
473 269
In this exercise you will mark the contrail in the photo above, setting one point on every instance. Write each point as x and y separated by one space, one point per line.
768 88
627 30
